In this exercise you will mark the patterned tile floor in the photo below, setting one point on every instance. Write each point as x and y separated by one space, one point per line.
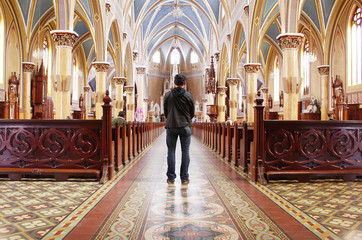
217 204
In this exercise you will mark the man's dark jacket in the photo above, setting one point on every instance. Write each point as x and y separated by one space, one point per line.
179 108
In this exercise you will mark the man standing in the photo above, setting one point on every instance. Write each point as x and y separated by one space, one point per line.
179 110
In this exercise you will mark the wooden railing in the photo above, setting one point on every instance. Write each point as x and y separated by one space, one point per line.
274 149
67 148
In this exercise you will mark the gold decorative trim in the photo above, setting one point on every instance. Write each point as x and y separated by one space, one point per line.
221 90
252 67
101 66
290 41
28 66
129 89
141 70
120 80
323 70
233 81
64 38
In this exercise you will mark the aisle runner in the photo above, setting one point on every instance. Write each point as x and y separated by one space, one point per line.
210 207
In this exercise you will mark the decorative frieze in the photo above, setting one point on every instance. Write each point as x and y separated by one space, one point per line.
252 67
101 66
323 69
141 70
64 38
221 90
28 66
119 80
129 89
233 81
290 40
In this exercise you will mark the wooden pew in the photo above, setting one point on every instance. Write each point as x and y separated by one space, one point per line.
305 149
58 148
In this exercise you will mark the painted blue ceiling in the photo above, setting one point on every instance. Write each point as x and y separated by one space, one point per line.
81 28
40 8
327 6
157 17
273 32
265 46
87 8
310 9
24 6
268 6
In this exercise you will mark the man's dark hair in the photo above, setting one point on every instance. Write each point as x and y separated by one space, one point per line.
121 114
180 79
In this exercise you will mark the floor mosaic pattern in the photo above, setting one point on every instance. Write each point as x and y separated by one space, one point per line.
29 209
337 205
210 207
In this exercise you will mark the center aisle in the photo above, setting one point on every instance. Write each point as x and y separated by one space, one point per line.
217 204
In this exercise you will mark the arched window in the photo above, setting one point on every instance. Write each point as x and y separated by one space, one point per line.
175 56
356 49
276 79
305 60
2 50
194 57
156 58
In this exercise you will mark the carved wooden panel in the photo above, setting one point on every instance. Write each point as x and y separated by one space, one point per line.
50 144
312 145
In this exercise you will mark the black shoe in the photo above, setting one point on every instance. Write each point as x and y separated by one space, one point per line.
185 181
170 181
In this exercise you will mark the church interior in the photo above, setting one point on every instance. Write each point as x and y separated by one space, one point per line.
276 148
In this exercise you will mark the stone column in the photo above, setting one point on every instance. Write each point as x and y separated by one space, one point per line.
64 41
101 78
86 101
118 102
145 109
28 68
324 75
141 73
221 103
290 43
233 101
130 103
204 116
252 73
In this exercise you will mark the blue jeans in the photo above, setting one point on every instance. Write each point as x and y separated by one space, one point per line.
171 140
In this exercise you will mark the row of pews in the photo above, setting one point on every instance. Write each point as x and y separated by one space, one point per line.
278 149
64 149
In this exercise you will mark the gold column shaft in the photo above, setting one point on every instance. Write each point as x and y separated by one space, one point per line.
28 68
324 76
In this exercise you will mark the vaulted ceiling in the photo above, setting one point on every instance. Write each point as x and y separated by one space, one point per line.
162 23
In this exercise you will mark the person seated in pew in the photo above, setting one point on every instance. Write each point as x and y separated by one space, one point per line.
120 119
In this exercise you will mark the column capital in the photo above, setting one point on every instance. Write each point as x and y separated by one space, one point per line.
252 67
141 69
101 66
221 90
64 38
145 99
233 81
204 100
244 97
119 80
323 69
129 89
290 40
28 66
86 89
264 90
